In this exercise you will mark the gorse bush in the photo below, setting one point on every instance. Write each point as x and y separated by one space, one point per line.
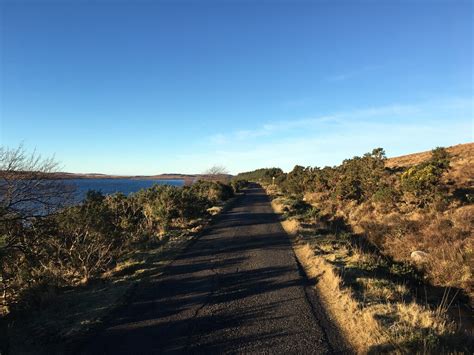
238 184
355 179
160 207
84 241
422 182
213 191
363 179
192 205
265 175
297 207
170 206
360 177
296 180
386 195
128 215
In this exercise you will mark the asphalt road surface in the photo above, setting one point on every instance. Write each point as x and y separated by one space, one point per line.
236 289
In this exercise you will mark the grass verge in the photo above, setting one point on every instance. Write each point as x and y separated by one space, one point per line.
369 297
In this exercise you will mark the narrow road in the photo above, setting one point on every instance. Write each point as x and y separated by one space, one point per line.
237 289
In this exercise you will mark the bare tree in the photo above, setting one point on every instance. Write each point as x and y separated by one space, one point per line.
27 186
217 170
217 173
27 191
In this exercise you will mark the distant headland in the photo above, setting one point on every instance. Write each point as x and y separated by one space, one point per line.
188 178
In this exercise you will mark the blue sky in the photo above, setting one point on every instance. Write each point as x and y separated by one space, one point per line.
145 87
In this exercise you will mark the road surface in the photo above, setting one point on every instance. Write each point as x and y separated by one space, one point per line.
237 289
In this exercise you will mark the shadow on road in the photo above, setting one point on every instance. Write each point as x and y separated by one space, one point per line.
237 288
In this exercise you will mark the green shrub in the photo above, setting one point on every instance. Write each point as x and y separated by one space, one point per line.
297 180
216 192
84 241
161 205
323 179
297 207
128 215
238 185
356 179
360 177
349 188
386 195
191 205
421 183
265 175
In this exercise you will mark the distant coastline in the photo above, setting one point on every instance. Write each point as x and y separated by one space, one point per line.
64 175
187 178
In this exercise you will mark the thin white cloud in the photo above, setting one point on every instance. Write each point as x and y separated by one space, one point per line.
218 138
269 128
340 77
351 74
355 139
328 139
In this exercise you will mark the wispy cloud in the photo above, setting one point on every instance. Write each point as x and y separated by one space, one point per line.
351 74
271 128
341 77
218 138
331 149
328 139
268 129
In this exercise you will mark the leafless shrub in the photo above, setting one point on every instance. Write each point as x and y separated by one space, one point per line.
216 170
26 185
217 173
27 192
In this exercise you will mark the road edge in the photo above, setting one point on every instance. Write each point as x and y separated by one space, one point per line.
335 335
77 345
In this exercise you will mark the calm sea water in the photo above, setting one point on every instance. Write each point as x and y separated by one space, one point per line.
111 186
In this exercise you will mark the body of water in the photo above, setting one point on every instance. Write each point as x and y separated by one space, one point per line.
111 186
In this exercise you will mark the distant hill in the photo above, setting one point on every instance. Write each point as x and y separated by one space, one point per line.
462 163
188 178
64 175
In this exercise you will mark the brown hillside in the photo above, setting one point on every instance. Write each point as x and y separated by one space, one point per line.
462 162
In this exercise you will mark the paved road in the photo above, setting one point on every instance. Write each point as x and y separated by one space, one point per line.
237 289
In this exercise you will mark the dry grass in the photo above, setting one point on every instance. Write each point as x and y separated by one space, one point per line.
360 328
459 151
380 290
446 237
375 314
63 317
271 189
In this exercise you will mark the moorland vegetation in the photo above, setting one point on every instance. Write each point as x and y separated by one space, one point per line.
390 241
48 244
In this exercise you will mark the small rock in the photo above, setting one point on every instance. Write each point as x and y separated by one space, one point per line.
419 256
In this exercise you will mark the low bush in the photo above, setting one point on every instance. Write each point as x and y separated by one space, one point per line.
85 240
216 192
265 175
128 215
238 185
422 182
296 207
